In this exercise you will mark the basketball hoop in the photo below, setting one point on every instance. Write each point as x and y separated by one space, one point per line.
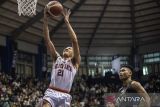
27 7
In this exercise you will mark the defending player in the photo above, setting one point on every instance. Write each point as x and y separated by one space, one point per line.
64 68
131 90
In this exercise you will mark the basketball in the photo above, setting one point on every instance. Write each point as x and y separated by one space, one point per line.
55 8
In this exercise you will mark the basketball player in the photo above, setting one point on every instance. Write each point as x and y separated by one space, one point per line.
132 89
64 68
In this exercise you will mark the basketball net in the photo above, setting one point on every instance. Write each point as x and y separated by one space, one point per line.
27 7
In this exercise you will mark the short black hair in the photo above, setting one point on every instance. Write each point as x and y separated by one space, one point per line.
128 66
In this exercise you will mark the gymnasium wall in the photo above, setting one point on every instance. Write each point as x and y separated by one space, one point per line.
147 26
2 41
23 46
154 47
32 48
27 47
110 51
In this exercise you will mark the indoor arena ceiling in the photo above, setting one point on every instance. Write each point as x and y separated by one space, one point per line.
100 25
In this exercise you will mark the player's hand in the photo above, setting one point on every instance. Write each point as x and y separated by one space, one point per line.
66 13
46 15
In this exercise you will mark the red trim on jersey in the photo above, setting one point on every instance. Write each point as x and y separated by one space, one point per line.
58 89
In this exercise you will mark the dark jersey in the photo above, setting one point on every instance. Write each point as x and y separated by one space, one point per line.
128 97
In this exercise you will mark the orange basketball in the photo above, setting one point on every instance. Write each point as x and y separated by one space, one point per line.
55 8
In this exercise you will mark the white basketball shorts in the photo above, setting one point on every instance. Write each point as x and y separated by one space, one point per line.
57 98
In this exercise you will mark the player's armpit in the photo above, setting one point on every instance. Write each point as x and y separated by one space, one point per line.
75 63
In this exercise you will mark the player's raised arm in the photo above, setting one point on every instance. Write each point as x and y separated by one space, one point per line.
48 41
73 37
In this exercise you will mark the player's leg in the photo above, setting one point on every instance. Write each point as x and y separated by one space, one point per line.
67 101
49 99
47 104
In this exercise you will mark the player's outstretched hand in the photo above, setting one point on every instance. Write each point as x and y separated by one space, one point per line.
66 13
46 15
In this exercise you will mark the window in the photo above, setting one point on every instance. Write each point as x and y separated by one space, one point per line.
102 63
124 62
156 54
106 70
93 63
156 59
145 56
150 55
151 63
20 69
25 64
92 71
151 58
29 70
145 70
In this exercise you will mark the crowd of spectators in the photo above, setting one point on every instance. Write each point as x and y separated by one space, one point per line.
20 92
87 91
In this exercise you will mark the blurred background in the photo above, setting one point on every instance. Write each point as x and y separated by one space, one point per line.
110 33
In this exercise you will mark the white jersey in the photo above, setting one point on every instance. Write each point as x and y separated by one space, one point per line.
63 73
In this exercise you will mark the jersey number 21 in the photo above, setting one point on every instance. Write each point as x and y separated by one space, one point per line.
60 72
